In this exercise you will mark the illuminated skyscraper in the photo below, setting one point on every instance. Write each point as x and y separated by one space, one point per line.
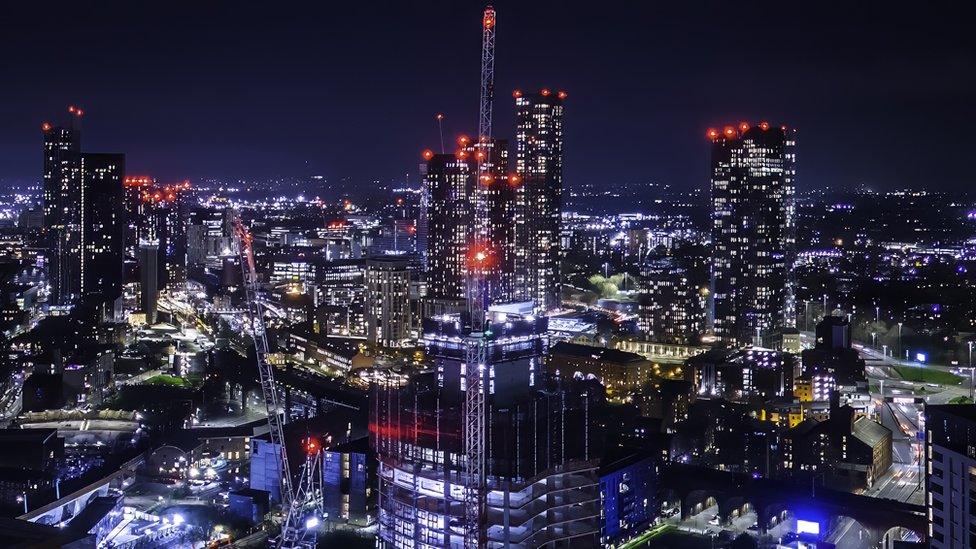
539 164
82 216
62 215
448 213
388 301
752 232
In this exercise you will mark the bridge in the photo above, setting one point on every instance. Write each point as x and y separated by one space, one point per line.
69 506
695 485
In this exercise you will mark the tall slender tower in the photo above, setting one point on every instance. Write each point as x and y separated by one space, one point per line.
102 224
752 231
539 165
62 214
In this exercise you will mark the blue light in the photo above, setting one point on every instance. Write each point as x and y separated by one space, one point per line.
920 357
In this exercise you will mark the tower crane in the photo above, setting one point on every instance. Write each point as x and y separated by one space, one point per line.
479 266
305 502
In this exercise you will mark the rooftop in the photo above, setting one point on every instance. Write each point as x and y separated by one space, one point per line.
598 353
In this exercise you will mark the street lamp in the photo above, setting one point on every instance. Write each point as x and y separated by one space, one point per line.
22 498
885 353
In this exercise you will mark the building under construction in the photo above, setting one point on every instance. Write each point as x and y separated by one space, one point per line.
541 457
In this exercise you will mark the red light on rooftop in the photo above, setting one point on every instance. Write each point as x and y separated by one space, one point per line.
743 127
487 179
439 116
545 92
158 195
783 128
514 179
712 133
517 93
562 95
71 109
463 140
79 112
46 127
461 154
764 125
312 446
428 154
729 131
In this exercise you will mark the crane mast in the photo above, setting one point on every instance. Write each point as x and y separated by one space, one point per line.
479 266
309 495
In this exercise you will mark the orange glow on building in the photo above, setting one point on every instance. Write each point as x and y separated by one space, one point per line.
545 92
562 95
743 126
712 133
46 126
764 125
514 179
517 93
428 154
480 258
729 131
463 140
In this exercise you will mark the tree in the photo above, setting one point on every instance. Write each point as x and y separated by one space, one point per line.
744 541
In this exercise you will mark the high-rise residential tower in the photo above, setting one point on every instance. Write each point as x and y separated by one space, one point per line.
102 224
752 232
83 216
388 301
62 215
539 165
448 212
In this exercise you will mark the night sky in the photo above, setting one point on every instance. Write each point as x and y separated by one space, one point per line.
881 94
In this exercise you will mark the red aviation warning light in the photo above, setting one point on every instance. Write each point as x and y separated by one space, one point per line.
712 133
428 154
743 127
764 125
489 19
729 131
463 140
517 93
480 258
514 180
487 179
439 116
75 110
561 94
312 447
461 154
545 92
46 126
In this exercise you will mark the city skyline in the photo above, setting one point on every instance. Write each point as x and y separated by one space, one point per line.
510 343
306 92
